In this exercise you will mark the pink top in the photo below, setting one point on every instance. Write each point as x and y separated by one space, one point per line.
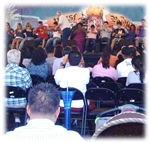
98 70
92 35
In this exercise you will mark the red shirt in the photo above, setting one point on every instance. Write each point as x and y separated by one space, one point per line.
42 32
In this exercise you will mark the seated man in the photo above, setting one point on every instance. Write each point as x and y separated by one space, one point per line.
56 39
43 110
117 34
42 32
73 76
15 75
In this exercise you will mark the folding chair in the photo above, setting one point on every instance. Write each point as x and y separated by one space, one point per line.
122 80
98 80
137 85
114 86
15 102
104 99
76 113
131 96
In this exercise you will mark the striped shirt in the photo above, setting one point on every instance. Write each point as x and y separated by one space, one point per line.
17 76
42 130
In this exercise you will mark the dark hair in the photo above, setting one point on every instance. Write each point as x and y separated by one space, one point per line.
49 48
106 22
40 22
66 50
92 26
133 51
137 62
58 51
38 57
133 26
75 48
105 59
74 58
56 23
80 24
119 22
44 98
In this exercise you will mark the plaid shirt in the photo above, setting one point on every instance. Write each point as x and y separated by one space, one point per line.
17 76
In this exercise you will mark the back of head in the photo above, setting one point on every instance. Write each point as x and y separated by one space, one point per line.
58 51
75 48
13 56
66 50
38 56
126 51
43 99
49 49
105 59
74 58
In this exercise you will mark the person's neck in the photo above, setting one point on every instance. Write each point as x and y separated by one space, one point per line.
50 55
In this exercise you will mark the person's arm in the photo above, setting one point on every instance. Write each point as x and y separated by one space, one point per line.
63 63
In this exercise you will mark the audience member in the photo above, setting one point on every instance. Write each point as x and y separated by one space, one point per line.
42 32
57 61
18 37
43 110
80 34
124 67
50 55
73 76
91 37
64 25
139 74
117 34
104 69
9 36
131 33
56 38
38 65
141 37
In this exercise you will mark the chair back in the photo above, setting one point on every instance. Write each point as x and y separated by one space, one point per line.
122 80
137 85
131 96
114 86
98 80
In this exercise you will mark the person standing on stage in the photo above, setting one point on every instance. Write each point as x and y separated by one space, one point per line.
64 25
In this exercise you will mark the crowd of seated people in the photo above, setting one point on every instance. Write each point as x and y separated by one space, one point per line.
66 63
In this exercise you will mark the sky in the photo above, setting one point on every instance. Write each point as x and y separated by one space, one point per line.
72 4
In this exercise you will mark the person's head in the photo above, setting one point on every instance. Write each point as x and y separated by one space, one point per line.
132 27
92 27
28 25
119 24
79 25
13 56
66 50
132 50
143 21
105 59
19 26
43 102
7 25
58 51
137 64
49 49
74 58
55 23
59 13
40 24
39 56
75 48
126 52
105 24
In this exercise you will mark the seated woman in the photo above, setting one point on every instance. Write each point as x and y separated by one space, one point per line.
104 69
18 37
139 75
38 64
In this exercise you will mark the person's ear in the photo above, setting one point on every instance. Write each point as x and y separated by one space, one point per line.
28 110
57 112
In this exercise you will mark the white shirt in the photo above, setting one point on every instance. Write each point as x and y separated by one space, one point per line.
56 34
64 22
124 68
42 130
73 76
26 62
